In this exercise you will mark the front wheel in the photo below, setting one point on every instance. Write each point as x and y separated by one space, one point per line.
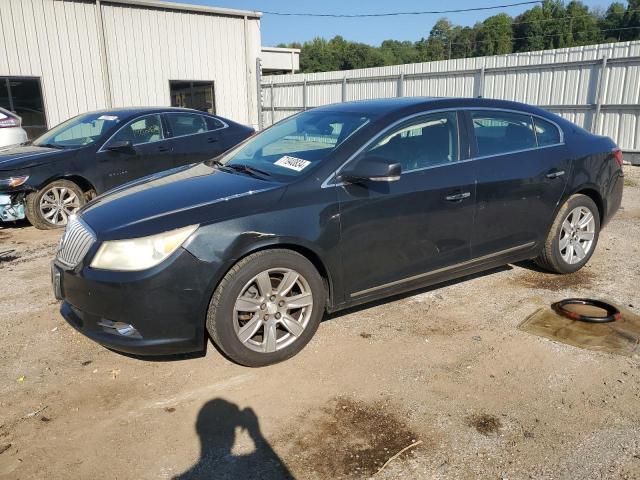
52 206
573 236
267 307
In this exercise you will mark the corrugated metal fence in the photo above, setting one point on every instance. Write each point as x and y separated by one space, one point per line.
595 86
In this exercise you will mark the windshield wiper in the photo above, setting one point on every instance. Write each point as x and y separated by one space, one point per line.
51 145
254 172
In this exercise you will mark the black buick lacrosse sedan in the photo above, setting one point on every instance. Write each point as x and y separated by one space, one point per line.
333 207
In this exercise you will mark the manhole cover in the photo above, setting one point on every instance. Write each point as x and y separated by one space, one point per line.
621 337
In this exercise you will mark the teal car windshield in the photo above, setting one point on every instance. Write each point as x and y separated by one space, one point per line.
78 131
293 146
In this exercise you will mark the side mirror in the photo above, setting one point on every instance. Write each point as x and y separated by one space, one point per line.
372 168
123 146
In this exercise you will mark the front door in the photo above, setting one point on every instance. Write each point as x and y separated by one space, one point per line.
392 232
150 152
522 169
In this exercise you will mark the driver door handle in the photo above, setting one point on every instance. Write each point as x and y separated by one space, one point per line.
212 140
163 149
557 174
458 196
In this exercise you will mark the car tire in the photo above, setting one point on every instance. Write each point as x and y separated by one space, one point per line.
565 249
254 337
61 198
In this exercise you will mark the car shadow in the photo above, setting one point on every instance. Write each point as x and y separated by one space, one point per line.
411 293
217 425
17 224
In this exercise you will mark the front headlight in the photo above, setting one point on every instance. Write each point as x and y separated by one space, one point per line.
12 182
140 253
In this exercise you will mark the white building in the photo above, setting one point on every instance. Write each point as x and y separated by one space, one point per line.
59 58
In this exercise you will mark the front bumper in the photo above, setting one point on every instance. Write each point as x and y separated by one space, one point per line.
11 207
166 305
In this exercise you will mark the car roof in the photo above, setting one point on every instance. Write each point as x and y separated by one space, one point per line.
390 106
127 112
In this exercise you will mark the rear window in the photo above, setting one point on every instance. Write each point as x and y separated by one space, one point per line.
502 132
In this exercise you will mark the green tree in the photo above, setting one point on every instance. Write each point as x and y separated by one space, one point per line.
581 25
612 21
495 35
631 21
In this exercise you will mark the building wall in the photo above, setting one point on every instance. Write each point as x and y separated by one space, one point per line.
59 41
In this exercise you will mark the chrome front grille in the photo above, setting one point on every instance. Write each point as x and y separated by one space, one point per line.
75 243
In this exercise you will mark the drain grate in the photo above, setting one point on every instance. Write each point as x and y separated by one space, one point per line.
621 337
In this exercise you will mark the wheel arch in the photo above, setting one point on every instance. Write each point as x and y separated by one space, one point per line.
79 180
306 251
594 195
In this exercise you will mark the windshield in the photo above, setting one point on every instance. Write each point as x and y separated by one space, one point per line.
78 131
294 145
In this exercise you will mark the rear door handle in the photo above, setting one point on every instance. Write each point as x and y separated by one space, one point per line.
557 174
458 196
212 140
163 149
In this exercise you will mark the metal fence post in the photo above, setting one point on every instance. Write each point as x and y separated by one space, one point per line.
304 94
273 108
595 121
480 92
344 88
400 87
259 83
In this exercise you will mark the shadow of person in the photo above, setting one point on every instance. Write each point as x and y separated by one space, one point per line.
217 424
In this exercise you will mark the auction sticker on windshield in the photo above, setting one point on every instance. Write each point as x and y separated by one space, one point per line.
292 163
109 118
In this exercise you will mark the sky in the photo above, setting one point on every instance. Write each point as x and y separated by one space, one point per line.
276 29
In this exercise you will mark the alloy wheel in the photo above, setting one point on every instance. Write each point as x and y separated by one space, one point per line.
577 235
272 310
57 204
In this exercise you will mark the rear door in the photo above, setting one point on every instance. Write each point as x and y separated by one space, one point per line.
195 137
393 232
150 151
522 168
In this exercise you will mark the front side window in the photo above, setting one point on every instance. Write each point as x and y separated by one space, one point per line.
424 142
294 145
502 132
79 131
141 130
546 132
186 124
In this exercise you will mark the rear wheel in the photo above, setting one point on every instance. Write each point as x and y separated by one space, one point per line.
573 236
267 307
52 206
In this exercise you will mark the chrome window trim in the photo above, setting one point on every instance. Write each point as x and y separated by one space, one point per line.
101 149
442 270
327 182
224 124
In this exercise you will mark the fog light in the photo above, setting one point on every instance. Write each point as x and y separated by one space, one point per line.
119 328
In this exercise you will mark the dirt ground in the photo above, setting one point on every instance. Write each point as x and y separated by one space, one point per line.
444 371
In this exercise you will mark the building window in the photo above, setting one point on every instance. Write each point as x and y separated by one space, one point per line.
196 95
23 96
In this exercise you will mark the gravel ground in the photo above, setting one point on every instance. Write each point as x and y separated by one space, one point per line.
444 371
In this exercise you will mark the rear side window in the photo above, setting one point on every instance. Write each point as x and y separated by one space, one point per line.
213 123
502 132
546 132
186 124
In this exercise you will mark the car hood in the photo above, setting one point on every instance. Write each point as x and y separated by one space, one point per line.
195 194
14 158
